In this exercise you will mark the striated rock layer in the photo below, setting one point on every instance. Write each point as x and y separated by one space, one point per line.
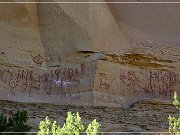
89 54
143 116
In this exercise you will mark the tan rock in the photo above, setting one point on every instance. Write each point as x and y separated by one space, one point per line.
89 54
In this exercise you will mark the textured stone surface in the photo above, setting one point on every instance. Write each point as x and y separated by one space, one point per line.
144 116
88 54
117 82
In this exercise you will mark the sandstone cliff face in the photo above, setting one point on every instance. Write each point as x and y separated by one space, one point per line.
89 54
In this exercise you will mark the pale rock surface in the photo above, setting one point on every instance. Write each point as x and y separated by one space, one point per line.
89 54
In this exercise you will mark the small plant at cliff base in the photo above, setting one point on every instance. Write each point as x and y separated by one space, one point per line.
174 122
93 128
72 126
3 123
16 123
45 127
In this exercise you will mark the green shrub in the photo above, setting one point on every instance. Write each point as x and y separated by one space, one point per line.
3 123
72 126
174 122
16 123
45 127
93 128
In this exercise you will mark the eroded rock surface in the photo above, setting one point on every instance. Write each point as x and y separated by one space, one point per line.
89 54
144 116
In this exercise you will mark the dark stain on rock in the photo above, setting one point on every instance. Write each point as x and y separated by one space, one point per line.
140 60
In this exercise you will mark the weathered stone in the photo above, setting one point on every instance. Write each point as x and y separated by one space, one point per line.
124 56
120 120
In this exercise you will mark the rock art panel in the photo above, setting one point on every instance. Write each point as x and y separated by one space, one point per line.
134 83
55 81
39 45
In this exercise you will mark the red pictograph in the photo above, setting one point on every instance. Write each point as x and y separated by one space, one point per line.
38 59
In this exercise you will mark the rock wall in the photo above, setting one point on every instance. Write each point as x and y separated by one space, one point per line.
86 54
66 85
121 85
